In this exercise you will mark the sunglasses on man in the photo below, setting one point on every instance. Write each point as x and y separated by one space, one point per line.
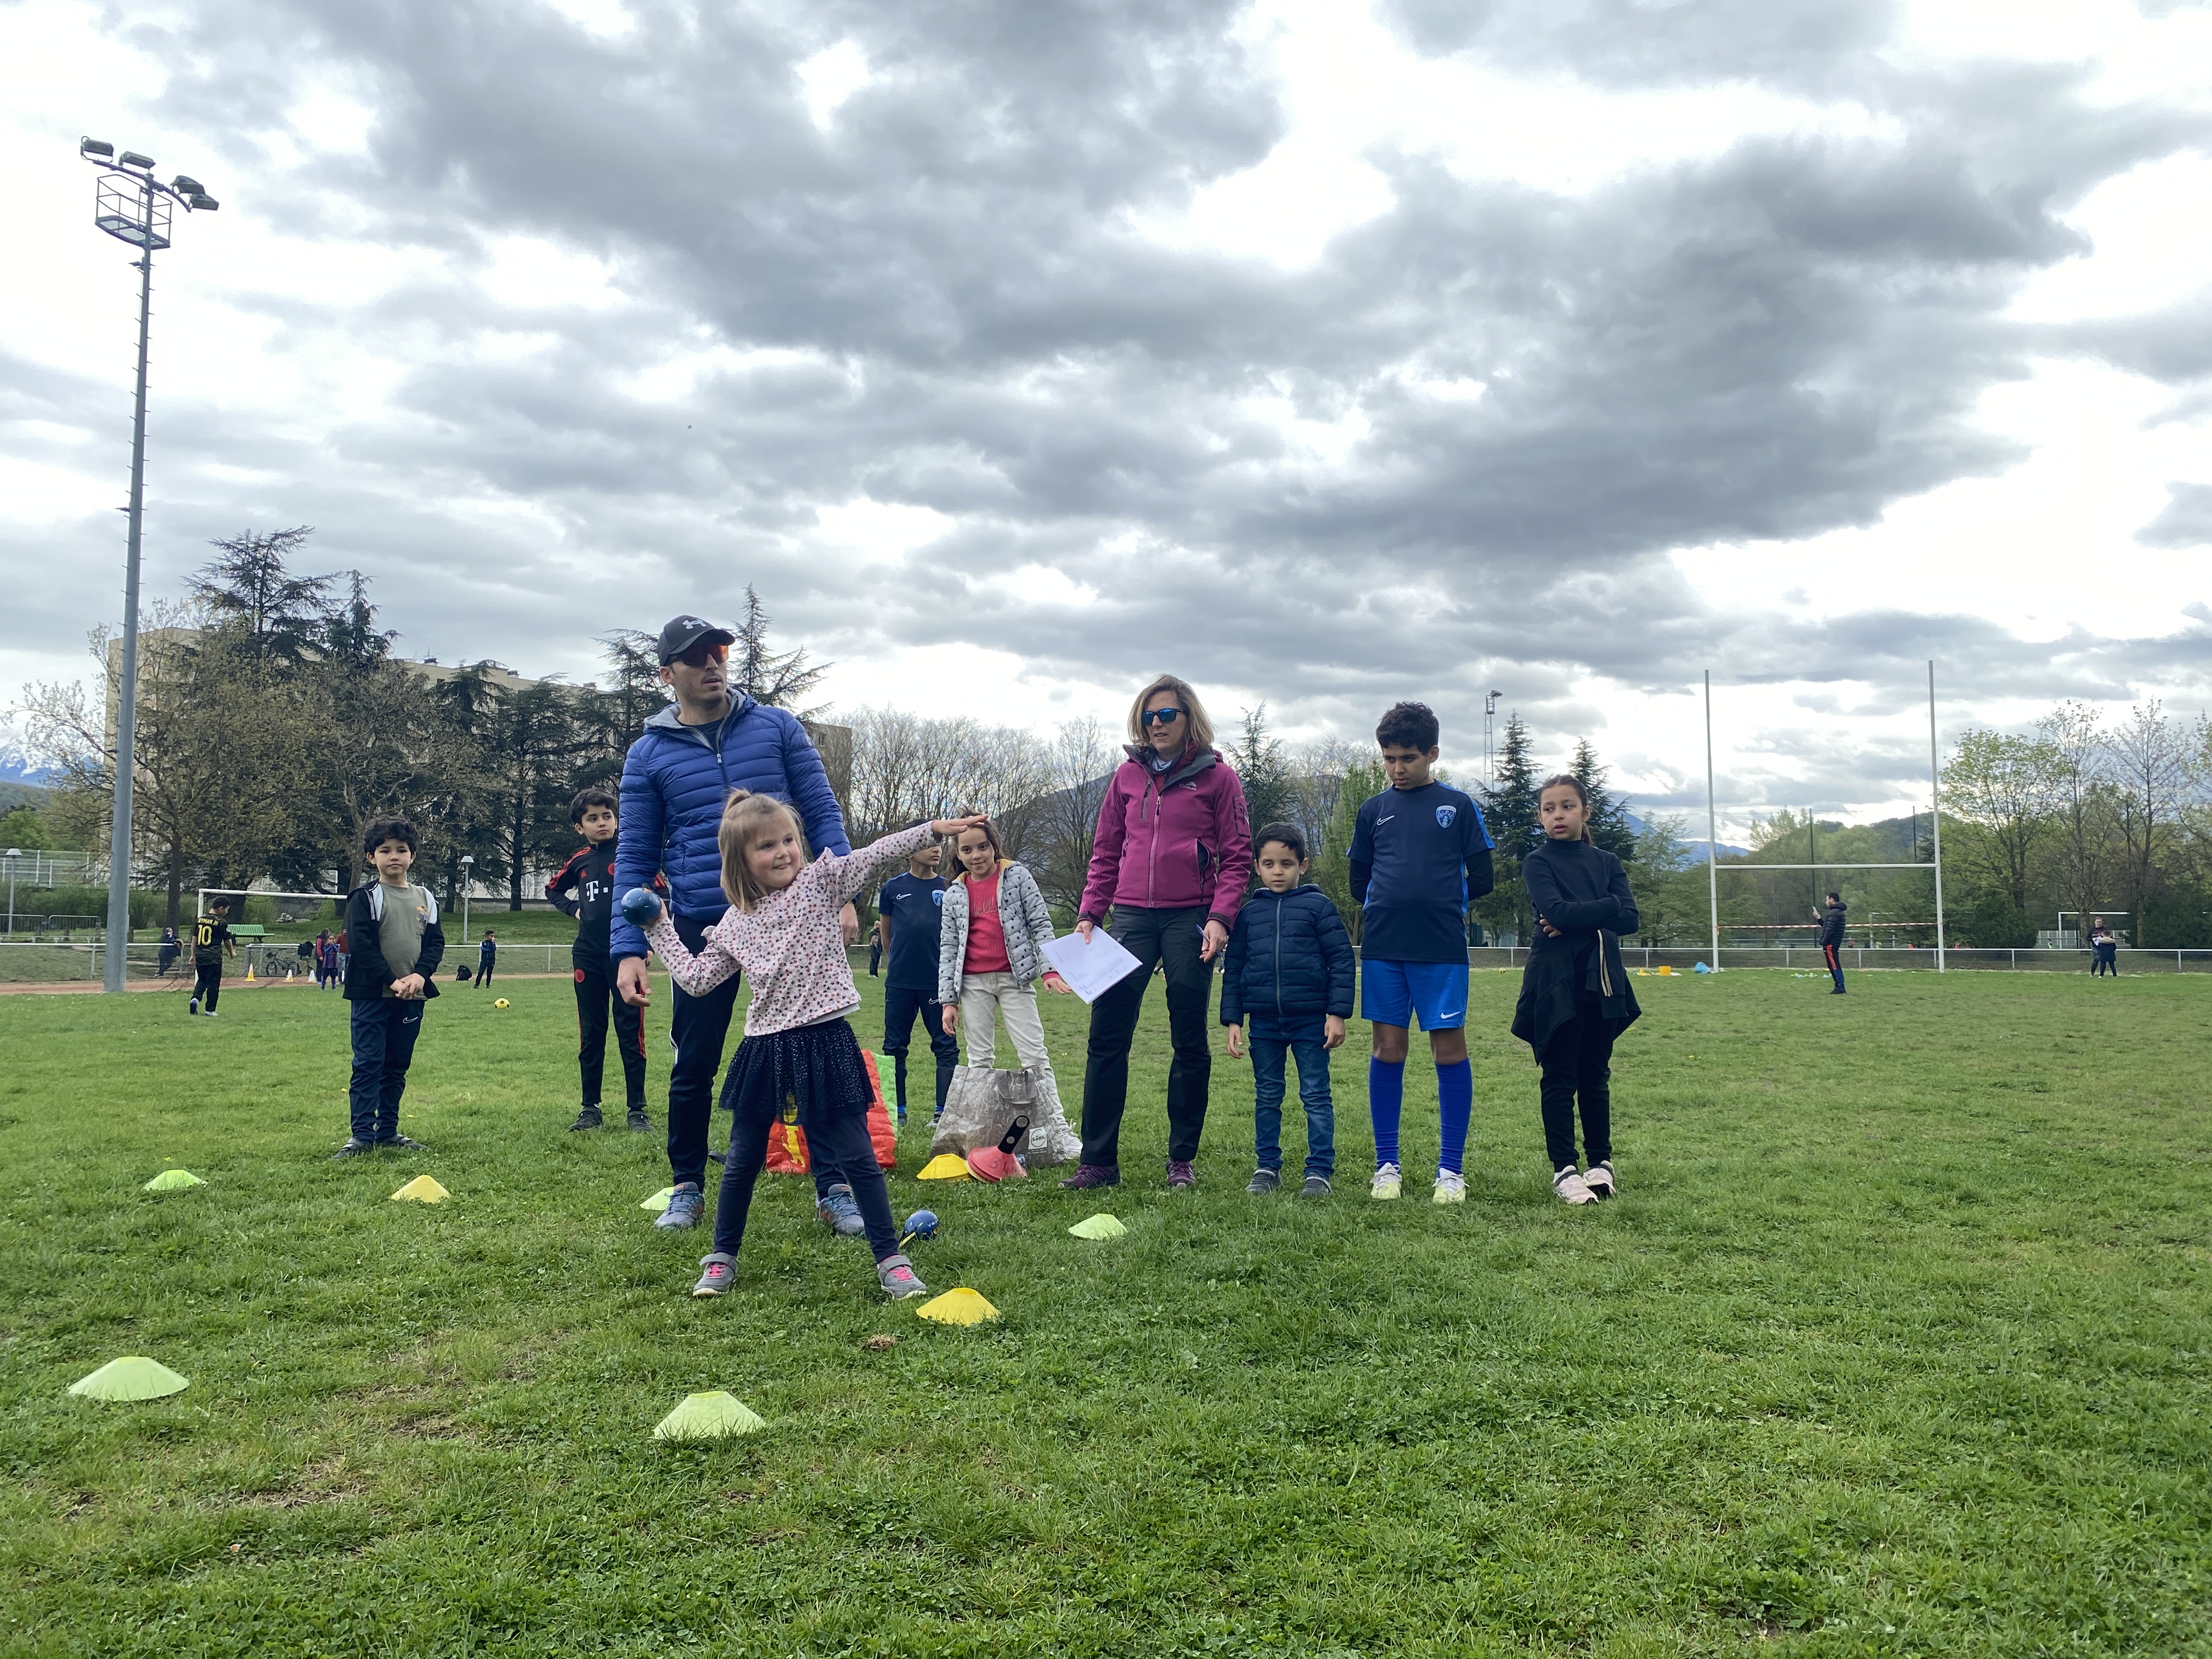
1160 716
703 653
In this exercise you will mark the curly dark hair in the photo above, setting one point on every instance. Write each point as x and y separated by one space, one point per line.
587 799
381 830
1408 725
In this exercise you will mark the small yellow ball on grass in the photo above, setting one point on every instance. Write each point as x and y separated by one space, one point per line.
499 1002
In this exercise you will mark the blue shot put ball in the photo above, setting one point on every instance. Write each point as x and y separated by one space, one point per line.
641 906
922 1224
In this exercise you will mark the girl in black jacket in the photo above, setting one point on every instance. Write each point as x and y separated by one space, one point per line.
1575 999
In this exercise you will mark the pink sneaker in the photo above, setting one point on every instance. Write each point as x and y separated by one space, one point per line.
1088 1175
1180 1174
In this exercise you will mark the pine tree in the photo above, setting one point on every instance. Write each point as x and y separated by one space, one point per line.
1608 815
779 678
1508 807
1260 767
280 614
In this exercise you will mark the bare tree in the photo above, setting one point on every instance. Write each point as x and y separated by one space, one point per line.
2005 790
2083 809
2150 770
1079 762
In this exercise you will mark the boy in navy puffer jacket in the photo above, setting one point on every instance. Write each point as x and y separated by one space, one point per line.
1289 972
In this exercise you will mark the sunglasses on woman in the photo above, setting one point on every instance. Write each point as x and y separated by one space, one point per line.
1160 716
700 655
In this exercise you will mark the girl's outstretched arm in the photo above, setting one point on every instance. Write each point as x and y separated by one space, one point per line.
849 873
697 973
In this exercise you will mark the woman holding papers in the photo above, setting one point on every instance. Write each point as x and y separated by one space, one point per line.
1170 865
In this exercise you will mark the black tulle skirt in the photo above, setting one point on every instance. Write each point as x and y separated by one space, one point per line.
814 1071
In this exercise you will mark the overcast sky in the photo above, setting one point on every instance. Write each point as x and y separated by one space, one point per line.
1017 352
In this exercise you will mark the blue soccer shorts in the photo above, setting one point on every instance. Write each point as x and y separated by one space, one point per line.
1391 993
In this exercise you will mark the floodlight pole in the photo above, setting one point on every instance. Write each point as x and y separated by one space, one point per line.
1712 828
143 234
1936 814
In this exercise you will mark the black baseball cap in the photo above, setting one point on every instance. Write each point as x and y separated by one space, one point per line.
681 634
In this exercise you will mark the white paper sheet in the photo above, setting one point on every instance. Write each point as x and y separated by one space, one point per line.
1090 970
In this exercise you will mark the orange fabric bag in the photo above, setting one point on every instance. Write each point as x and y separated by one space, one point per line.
787 1142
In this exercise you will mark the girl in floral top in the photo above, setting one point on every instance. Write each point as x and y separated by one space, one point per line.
798 1066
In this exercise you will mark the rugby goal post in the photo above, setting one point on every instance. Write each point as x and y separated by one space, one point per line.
1713 832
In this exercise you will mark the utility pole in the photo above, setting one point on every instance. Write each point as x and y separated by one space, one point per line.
130 205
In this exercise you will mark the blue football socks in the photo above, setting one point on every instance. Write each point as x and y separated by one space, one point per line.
1455 1106
1386 1096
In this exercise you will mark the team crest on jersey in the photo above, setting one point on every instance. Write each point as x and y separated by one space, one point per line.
1444 816
939 895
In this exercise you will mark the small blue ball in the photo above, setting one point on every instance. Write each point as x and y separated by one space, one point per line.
641 906
922 1224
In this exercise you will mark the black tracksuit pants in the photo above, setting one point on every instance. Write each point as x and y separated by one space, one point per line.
483 970
900 1007
207 984
595 998
1833 956
1578 1062
1168 939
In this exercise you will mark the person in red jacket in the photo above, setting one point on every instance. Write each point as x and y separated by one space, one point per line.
1170 864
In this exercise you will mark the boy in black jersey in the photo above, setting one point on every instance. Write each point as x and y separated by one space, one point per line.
590 876
210 938
1419 856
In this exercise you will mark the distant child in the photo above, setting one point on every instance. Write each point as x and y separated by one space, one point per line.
487 953
1832 922
798 1066
1574 996
590 875
166 957
1419 856
210 940
2104 950
908 909
395 945
990 950
1289 970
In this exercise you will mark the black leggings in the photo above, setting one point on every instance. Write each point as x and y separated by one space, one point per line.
839 1143
1578 1061
207 984
1168 939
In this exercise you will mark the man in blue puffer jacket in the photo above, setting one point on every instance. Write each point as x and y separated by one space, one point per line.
1289 970
675 781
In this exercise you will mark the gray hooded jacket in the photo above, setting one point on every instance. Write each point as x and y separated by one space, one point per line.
1022 913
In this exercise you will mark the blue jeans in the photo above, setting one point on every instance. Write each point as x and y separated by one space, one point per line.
383 1033
1269 1038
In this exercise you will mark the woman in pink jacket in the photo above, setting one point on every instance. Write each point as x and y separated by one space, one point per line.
1171 864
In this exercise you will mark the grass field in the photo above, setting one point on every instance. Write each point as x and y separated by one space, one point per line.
1898 1341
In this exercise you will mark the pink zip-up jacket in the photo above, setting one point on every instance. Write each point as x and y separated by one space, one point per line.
1172 840
793 945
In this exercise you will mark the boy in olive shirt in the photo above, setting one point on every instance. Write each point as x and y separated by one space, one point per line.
392 926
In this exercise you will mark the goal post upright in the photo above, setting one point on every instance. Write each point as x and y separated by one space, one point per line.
1712 828
1936 814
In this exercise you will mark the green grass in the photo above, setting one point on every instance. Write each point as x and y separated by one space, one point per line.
1897 1342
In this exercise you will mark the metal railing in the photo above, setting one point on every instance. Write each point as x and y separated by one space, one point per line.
1807 958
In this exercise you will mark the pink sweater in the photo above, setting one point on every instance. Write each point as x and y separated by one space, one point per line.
794 945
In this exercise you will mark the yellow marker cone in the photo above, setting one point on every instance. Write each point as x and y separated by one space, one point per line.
709 1417
170 1180
1668 972
499 1002
422 1190
249 972
1101 1225
658 1202
960 1307
946 1166
133 1377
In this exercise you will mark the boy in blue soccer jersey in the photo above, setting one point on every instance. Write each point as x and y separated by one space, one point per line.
1419 856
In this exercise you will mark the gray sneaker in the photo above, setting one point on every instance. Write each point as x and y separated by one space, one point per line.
1264 1181
898 1277
839 1214
1316 1186
686 1205
721 1272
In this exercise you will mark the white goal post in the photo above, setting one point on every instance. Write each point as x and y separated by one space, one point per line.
1713 833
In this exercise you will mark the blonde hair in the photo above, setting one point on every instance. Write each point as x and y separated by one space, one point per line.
1201 729
742 816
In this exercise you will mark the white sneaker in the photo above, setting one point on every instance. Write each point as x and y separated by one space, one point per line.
1599 1179
1451 1188
1386 1183
1571 1188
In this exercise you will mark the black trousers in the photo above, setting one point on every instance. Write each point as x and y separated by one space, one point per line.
1578 1061
698 1028
207 983
2105 961
842 1140
596 997
900 1007
1834 959
483 971
1168 939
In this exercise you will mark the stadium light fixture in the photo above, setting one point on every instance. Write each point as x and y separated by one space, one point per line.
132 206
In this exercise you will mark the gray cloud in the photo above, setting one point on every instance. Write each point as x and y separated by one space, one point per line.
1782 340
